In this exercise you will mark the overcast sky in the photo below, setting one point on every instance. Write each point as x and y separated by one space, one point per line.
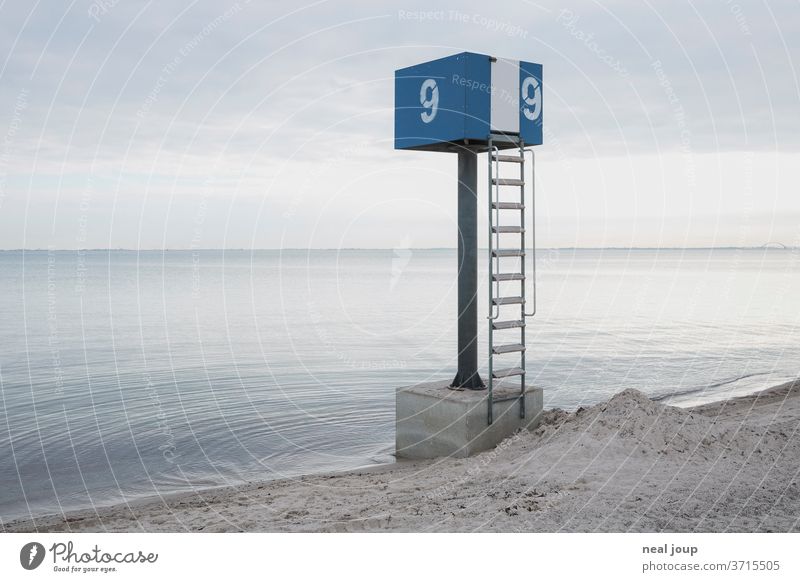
269 124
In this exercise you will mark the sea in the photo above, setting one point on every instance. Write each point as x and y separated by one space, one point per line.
127 374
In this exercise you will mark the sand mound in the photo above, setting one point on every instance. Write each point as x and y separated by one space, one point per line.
631 419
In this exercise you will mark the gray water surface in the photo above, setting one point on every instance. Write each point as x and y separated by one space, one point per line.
125 374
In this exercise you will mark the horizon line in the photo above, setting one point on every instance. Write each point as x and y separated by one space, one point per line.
766 246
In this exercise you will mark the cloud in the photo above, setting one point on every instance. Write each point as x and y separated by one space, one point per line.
239 101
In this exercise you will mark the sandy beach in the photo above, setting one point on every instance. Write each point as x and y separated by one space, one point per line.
629 464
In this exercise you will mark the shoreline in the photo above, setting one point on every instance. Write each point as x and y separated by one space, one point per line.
627 464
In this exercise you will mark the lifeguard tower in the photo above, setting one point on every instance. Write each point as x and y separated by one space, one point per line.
469 104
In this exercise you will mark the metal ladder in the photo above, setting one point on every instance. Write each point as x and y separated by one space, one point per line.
507 208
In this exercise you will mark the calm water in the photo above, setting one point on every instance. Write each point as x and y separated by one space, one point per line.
123 374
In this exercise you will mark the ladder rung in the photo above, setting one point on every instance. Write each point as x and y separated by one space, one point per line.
508 205
508 252
508 300
506 372
501 158
507 348
508 277
508 182
508 324
508 229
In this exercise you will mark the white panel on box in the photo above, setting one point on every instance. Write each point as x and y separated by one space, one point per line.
505 96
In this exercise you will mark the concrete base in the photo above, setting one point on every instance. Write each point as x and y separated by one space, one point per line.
435 421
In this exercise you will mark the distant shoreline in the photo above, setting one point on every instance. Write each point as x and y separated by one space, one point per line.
628 464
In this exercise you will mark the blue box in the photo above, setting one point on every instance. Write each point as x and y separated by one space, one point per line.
459 100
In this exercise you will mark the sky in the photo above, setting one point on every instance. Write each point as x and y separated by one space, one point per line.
235 124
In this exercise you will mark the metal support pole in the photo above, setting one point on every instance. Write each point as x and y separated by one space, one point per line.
467 375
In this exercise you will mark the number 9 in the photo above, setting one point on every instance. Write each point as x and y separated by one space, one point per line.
534 102
432 103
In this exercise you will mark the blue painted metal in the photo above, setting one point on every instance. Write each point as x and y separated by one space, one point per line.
531 92
446 103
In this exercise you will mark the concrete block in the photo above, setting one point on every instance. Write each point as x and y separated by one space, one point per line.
436 421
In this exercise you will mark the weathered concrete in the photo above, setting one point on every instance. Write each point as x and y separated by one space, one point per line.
436 421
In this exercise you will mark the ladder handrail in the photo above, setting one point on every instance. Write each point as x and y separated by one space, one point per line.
533 226
492 151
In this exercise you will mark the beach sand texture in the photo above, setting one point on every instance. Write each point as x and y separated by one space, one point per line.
629 464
